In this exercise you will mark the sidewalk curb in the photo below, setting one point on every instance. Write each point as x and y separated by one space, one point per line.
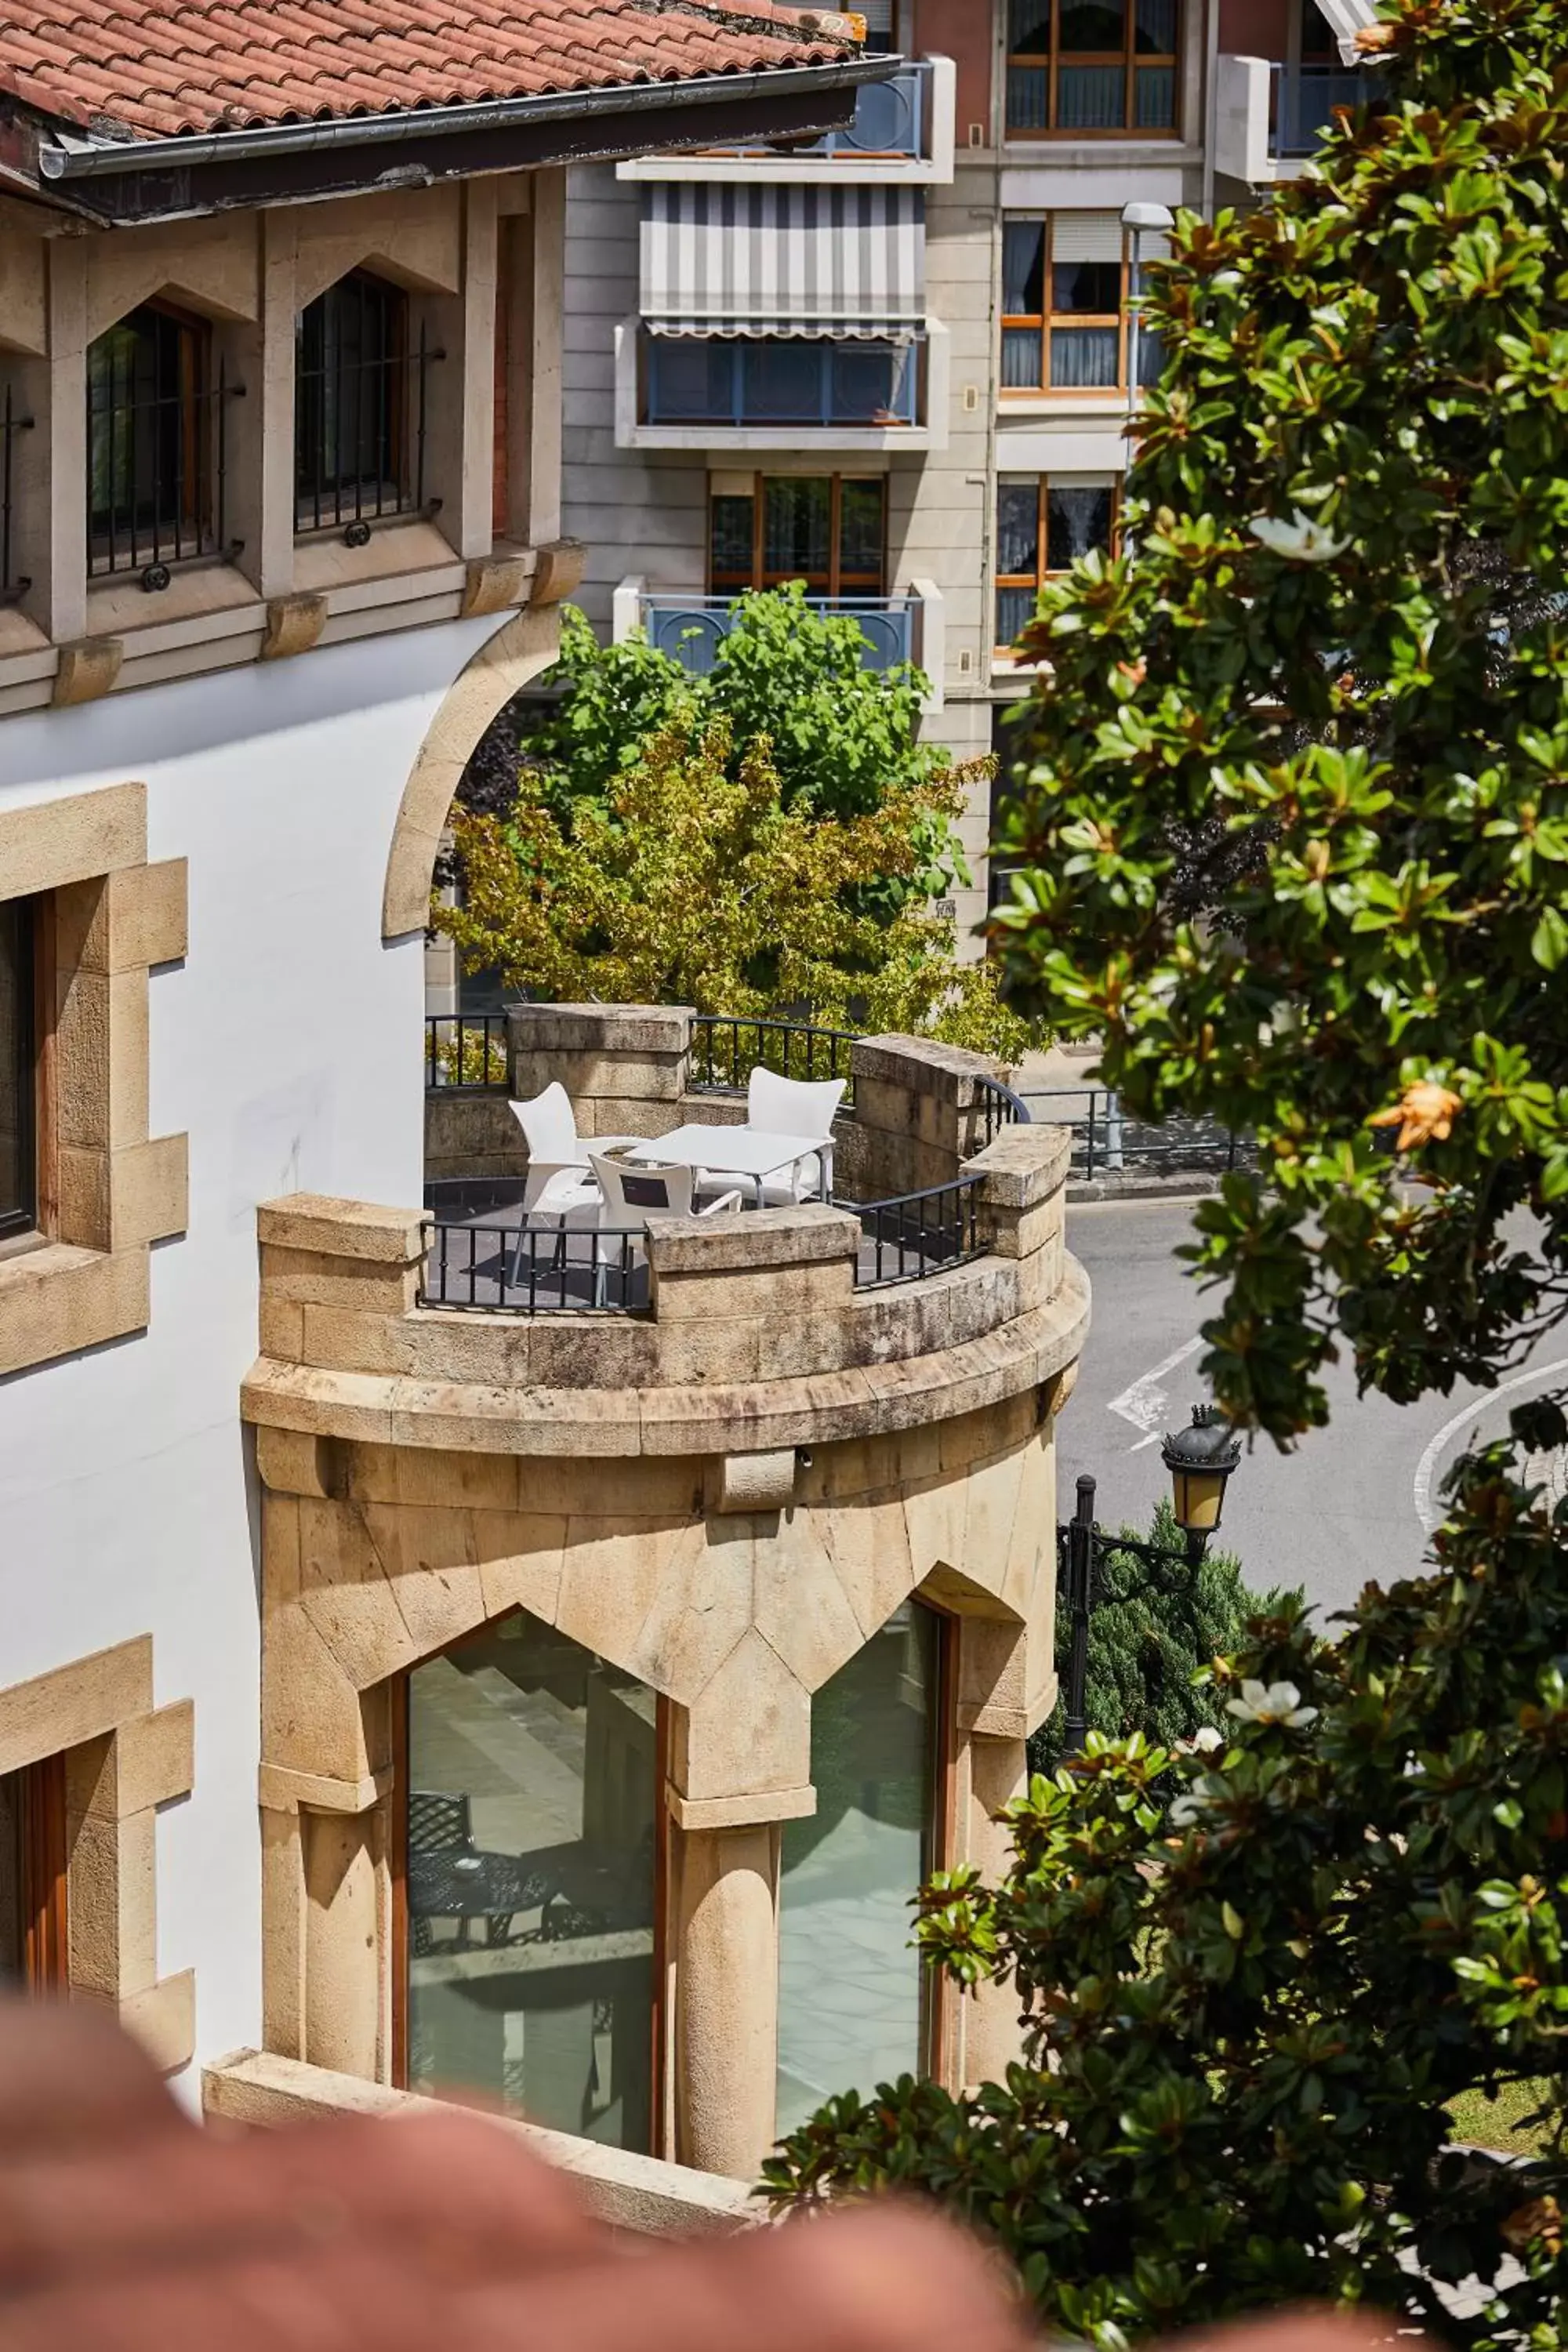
1186 1185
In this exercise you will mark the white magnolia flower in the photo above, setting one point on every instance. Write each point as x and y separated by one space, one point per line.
1301 539
1187 1811
1207 1738
1273 1703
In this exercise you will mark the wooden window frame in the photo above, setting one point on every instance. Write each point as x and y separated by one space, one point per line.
1129 58
761 578
397 1862
43 1861
1042 570
1044 320
940 1997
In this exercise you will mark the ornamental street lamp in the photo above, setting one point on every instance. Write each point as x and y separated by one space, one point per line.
1141 221
1200 1459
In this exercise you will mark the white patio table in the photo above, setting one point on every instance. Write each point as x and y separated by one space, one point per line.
748 1151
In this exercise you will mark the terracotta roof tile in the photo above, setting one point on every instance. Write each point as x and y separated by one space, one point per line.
156 68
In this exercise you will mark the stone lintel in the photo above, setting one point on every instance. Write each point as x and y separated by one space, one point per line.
739 1813
923 1067
280 1788
338 1228
600 1028
810 1234
1022 1165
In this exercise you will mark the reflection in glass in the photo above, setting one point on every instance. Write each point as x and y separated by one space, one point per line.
860 537
1084 356
796 527
1091 26
731 523
1155 27
851 2012
1017 527
1078 519
1015 611
1029 28
1022 268
531 1829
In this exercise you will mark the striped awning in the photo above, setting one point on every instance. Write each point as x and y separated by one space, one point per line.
734 258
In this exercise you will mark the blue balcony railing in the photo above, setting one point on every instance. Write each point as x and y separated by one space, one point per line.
1305 101
892 118
786 380
693 629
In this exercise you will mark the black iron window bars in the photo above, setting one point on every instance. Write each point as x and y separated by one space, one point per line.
156 446
12 583
360 410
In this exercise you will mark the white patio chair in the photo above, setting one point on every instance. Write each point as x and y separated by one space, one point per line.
559 1183
632 1192
796 1106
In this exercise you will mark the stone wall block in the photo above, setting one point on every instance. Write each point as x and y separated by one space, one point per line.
319 1278
801 1608
749 1729
701 1609
495 1350
612 1576
429 1556
72 1704
112 1905
349 1338
519 1561
868 1545
992 1683
692 1352
343 1984
726 2021
162 2018
291 1464
341 1228
618 1029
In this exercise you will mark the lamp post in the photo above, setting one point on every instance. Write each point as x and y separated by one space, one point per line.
1200 1459
1141 221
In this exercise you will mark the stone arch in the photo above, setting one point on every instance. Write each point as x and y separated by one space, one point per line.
527 644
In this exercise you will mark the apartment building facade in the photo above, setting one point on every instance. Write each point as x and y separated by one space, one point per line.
898 364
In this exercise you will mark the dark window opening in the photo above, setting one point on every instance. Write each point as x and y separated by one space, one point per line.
34 1954
18 1068
1064 289
360 389
1043 528
156 446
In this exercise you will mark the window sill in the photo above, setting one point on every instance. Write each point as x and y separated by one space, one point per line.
1085 400
121 606
324 564
57 1299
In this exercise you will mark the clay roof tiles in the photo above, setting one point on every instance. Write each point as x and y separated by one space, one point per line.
160 68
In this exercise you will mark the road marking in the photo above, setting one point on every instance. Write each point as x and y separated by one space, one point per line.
1145 1404
1426 1468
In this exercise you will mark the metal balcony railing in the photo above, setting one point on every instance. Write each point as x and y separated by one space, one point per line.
692 628
1305 102
892 118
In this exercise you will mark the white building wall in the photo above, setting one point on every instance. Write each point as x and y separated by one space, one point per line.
288 1046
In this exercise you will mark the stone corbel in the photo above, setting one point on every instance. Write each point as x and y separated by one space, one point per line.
557 570
89 668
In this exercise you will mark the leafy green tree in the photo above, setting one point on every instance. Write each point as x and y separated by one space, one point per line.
1152 1632
1294 827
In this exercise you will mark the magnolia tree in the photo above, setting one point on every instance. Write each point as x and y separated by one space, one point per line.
1293 818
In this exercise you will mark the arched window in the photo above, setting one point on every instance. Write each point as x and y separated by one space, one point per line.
359 407
528 1809
855 2000
156 405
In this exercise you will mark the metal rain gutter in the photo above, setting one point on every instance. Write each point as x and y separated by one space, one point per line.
96 158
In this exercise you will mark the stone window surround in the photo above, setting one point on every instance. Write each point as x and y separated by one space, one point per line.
124 1757
116 1189
454 250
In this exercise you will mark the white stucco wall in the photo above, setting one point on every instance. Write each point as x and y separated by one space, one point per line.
289 1045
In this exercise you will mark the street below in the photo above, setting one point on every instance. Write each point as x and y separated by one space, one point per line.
1351 1505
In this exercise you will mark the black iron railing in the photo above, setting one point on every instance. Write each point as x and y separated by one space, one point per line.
725 1050
1106 1143
157 440
465 1053
997 1107
917 1233
359 413
10 584
504 1267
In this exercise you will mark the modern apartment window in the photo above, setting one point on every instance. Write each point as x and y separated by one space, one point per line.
157 411
855 2000
18 1068
34 1953
1066 282
1043 526
361 383
1093 68
528 1883
829 530
790 380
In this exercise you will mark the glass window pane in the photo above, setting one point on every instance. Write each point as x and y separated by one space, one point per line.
870 384
532 1787
730 528
1029 28
688 378
17 1185
1088 26
1018 527
1084 356
1092 98
350 397
1022 352
850 2007
1155 94
1093 288
1028 97
1023 268
1155 27
1077 520
146 468
1150 358
1015 611
861 537
797 521
783 382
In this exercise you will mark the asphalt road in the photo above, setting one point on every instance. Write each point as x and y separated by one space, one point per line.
1355 1499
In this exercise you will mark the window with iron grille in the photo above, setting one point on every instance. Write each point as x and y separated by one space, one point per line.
360 409
14 423
1043 526
1093 68
155 453
18 1049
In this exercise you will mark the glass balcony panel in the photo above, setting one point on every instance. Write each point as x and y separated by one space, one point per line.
1307 101
781 383
872 385
690 380
692 628
1091 98
1084 358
